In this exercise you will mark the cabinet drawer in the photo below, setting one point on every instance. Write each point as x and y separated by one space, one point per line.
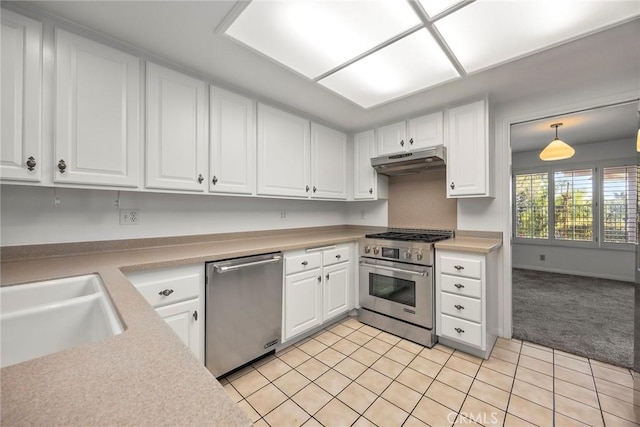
467 332
162 287
461 286
334 256
305 262
459 306
461 266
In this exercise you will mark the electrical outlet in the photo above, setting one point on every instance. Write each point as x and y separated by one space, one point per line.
283 215
543 257
362 216
129 216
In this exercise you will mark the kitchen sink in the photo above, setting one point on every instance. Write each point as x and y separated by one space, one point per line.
42 318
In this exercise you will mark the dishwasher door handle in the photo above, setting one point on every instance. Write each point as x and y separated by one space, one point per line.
234 267
394 269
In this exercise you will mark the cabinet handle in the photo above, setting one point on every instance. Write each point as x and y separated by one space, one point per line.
458 267
166 292
195 315
327 276
319 278
305 263
338 256
459 286
370 190
459 330
452 185
306 188
62 166
214 181
402 143
31 164
200 179
314 189
411 141
459 307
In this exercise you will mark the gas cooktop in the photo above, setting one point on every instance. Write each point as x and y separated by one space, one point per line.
410 235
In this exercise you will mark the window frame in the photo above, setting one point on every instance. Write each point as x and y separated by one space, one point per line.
611 164
514 214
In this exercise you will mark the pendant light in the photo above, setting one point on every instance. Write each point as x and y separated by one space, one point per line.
557 149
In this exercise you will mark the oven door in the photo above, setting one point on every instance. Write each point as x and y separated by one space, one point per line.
398 290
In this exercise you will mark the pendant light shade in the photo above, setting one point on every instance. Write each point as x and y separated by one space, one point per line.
557 149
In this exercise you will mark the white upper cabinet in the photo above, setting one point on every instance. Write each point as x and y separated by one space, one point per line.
368 185
283 154
176 132
468 151
392 138
420 132
21 57
328 163
232 143
97 120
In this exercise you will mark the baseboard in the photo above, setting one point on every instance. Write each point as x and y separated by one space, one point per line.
575 273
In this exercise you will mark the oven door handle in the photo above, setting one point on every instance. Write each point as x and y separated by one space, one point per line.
394 269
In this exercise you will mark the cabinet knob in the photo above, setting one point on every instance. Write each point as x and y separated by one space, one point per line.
214 181
458 267
411 141
370 190
314 189
402 143
195 315
166 292
305 263
200 179
319 278
31 164
459 285
459 307
306 188
62 166
327 276
459 330
452 185
338 256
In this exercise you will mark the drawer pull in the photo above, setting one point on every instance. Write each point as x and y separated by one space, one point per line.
338 256
458 267
459 307
305 263
195 315
459 285
166 292
459 330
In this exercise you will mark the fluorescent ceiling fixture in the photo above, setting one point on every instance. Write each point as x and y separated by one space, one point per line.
411 64
313 37
488 32
434 7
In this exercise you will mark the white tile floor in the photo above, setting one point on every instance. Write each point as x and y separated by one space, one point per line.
353 374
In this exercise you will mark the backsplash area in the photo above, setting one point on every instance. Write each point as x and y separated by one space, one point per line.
420 201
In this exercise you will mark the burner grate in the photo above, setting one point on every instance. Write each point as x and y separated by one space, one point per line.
426 236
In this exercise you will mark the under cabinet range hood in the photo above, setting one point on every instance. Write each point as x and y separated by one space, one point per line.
428 159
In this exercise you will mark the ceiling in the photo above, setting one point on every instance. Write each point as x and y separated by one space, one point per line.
183 32
587 127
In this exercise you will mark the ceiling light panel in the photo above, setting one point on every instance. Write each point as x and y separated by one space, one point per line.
313 37
411 64
486 33
434 7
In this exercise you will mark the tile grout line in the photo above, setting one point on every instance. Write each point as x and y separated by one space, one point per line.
506 410
595 385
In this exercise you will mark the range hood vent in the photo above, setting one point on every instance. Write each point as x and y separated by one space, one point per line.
428 159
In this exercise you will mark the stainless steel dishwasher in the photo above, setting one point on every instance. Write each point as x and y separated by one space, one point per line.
243 310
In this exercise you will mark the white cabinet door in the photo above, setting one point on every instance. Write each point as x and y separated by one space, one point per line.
426 131
232 143
467 165
336 290
283 153
328 163
392 138
303 302
97 120
21 57
184 318
176 138
364 187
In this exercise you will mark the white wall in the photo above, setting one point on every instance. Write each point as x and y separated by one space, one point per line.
29 215
606 150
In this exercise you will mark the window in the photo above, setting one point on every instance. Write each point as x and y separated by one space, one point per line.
590 205
619 206
532 205
573 205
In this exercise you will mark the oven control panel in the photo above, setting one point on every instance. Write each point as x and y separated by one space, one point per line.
408 252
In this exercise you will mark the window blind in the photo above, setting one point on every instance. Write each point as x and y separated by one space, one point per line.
532 205
573 205
619 204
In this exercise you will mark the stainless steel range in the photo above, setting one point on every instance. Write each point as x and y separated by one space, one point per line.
396 282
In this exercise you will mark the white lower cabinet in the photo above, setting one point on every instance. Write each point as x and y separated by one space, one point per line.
318 287
177 294
466 301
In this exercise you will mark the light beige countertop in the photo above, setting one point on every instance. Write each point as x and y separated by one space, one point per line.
144 376
470 244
